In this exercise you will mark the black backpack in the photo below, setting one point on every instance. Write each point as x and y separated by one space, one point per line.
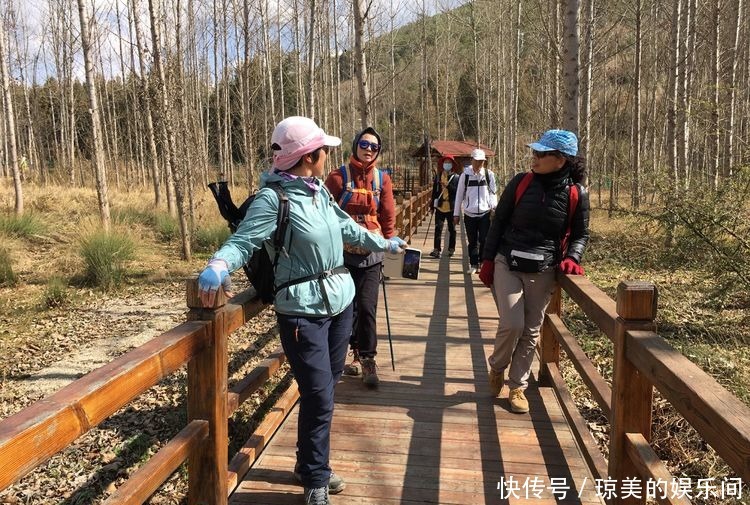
260 269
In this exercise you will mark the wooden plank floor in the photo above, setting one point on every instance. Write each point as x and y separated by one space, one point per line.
431 433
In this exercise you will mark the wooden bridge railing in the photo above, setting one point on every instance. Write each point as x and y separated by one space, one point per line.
642 361
33 435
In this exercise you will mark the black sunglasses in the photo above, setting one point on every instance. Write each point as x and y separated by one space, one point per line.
364 144
542 154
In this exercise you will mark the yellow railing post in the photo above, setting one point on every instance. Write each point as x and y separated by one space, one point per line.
207 400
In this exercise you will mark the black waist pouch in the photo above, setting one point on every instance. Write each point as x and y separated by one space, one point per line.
526 262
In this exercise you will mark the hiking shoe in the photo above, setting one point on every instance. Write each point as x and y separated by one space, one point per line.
370 372
518 402
451 252
316 496
435 253
497 379
355 367
335 484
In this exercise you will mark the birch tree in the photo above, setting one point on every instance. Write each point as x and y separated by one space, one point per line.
96 132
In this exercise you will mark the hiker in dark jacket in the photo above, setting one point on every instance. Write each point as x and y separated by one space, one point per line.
443 200
535 232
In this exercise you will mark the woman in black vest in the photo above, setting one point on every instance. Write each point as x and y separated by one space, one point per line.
540 225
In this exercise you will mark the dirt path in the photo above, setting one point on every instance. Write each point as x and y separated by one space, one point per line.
147 318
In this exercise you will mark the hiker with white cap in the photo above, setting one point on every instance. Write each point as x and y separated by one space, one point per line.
314 291
476 197
540 226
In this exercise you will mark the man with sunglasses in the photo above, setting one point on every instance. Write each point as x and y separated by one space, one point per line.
366 194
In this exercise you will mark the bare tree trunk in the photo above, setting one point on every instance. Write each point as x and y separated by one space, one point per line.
99 168
360 66
10 119
179 176
556 44
588 88
156 176
515 83
636 144
729 155
716 57
570 68
474 36
674 85
311 62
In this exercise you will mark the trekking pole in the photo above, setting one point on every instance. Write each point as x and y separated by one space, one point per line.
387 318
428 227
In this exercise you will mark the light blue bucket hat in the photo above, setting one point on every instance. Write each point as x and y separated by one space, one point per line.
557 140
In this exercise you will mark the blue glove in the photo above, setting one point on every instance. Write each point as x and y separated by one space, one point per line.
396 245
215 275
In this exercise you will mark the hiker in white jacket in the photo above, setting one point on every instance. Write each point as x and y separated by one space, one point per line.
476 196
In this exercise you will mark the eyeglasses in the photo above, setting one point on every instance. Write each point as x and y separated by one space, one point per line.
364 144
542 154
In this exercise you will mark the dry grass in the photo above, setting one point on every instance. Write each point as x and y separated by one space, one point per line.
709 326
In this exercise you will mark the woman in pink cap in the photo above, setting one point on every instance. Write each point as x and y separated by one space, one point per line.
314 291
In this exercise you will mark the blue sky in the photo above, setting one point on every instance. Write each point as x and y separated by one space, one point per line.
33 25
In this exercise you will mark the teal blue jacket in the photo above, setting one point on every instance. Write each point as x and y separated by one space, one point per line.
314 241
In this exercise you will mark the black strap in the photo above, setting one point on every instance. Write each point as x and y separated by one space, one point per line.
319 277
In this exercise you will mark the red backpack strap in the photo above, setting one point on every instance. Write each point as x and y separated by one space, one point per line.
523 185
572 205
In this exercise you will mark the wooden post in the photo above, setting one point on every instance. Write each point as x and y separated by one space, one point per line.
632 393
207 400
549 347
408 216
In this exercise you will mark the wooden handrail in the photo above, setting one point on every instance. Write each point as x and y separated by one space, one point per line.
30 437
33 435
716 414
644 361
142 484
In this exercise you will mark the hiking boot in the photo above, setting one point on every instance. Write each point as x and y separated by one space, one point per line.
370 372
435 253
335 484
317 496
451 252
518 402
355 367
497 379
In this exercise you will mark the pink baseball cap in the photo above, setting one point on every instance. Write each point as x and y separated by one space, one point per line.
296 136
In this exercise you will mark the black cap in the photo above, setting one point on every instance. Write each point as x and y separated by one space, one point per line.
358 136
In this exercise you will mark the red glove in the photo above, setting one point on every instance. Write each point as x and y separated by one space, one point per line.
569 266
487 273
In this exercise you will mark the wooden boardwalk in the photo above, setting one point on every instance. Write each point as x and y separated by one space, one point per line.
431 433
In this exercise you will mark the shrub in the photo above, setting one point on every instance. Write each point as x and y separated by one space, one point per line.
7 276
167 228
56 294
105 256
211 238
25 225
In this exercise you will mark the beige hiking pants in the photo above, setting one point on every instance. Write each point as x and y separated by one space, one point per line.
521 301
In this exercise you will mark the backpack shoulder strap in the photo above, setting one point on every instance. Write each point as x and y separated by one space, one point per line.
347 182
572 202
523 185
282 217
377 184
573 196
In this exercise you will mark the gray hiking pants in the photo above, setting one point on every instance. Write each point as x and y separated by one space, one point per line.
521 301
